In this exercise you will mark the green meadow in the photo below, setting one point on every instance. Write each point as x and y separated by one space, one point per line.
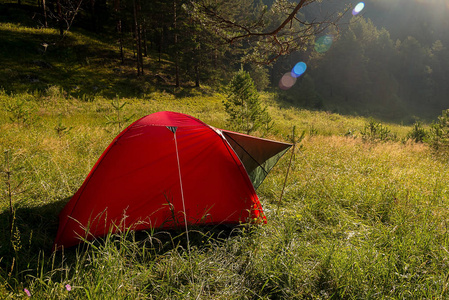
357 217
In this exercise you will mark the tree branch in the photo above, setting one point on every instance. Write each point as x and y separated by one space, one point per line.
274 43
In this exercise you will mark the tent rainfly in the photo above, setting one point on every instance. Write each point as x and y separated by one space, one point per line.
166 170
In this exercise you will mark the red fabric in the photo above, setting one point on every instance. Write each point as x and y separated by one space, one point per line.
136 183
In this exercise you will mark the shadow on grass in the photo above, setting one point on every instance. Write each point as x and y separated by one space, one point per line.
34 232
27 253
199 237
36 229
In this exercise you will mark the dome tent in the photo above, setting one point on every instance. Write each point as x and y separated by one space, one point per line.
167 169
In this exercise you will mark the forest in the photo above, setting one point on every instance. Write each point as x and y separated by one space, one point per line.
377 63
357 208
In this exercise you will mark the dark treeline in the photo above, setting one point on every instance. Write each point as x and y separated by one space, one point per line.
365 70
393 67
169 32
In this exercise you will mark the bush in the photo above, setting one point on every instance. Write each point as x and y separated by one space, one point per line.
418 134
375 131
21 111
439 132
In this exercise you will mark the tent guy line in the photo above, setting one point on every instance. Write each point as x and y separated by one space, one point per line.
182 190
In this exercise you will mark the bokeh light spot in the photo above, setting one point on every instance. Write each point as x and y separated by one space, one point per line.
299 69
323 43
287 81
358 8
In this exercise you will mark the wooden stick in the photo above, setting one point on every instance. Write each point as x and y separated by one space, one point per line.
289 164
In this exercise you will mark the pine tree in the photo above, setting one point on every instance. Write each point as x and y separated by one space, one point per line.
243 104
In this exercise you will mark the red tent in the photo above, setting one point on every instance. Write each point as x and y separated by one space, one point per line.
169 169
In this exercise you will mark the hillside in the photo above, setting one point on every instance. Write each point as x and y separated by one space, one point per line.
363 213
82 64
377 64
357 217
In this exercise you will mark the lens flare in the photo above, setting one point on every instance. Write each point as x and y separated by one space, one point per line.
299 69
358 8
287 81
323 43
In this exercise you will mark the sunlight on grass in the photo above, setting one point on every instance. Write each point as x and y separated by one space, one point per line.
358 218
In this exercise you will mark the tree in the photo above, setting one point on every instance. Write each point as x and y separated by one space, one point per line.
175 41
243 104
254 27
118 26
439 132
64 13
359 73
138 37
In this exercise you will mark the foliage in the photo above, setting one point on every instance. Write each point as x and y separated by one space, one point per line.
118 118
244 106
305 94
367 70
357 220
439 132
375 131
260 76
60 128
20 111
418 134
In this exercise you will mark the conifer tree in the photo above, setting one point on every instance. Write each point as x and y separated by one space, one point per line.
243 104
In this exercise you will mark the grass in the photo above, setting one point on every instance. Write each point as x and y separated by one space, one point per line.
84 64
358 219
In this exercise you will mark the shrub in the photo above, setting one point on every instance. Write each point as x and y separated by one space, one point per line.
21 112
439 132
375 131
118 118
418 134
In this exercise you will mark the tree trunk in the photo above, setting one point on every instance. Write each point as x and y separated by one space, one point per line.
197 75
61 26
161 40
44 9
93 17
138 40
120 39
144 33
119 28
176 45
197 61
139 37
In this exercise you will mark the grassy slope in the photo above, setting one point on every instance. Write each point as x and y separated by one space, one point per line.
84 65
358 219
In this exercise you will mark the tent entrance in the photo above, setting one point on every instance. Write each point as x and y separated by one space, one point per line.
258 155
